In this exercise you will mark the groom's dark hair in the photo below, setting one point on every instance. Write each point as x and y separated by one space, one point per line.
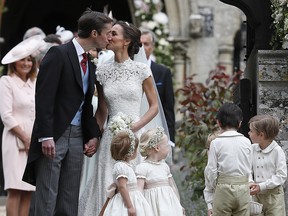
92 20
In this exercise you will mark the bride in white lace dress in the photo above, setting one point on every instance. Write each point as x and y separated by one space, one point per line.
123 83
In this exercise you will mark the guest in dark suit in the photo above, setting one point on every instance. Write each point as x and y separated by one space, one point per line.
163 79
65 127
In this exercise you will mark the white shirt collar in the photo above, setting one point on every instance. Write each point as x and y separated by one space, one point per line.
149 62
78 48
230 133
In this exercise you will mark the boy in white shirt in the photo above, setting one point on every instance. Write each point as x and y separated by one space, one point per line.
269 167
229 165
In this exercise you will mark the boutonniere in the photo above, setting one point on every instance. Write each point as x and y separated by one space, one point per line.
94 61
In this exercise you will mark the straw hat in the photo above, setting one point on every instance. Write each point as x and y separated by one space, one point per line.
23 49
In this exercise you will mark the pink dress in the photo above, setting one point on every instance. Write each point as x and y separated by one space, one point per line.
17 107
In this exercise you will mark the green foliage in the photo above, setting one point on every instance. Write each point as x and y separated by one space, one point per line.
199 105
280 24
151 16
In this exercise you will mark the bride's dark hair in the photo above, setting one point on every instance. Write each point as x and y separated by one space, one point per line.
133 34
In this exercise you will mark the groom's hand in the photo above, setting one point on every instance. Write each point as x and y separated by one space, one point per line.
91 147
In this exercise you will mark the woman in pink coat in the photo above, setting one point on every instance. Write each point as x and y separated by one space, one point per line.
17 110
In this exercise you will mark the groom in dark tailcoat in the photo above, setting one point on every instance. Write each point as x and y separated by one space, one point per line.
65 127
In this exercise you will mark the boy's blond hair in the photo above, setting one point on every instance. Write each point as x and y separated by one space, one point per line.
266 124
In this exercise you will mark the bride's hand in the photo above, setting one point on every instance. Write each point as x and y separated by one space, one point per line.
134 127
90 148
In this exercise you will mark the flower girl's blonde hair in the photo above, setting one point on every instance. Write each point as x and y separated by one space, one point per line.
150 139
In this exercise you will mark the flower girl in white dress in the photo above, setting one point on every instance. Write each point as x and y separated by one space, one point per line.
154 176
128 201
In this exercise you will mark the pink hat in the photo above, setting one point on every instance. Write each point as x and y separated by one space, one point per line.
22 50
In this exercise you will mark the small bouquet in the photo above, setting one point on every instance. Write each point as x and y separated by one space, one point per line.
120 122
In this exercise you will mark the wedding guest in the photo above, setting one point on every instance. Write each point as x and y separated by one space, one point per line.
163 80
53 39
64 35
229 165
17 110
65 127
269 166
34 31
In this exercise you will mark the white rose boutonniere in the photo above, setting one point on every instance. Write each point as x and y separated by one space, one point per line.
94 61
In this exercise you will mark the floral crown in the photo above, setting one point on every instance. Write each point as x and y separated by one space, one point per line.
123 123
155 139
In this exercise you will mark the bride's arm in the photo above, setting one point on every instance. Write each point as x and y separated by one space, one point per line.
152 111
102 111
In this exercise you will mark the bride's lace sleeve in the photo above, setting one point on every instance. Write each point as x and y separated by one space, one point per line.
102 71
144 72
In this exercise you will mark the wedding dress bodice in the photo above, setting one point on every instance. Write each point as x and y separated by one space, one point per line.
122 86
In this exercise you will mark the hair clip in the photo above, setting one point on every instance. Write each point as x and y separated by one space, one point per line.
127 24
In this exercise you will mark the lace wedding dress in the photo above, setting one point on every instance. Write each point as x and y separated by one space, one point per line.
122 86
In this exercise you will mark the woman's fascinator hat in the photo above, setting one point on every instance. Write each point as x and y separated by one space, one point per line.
65 35
22 50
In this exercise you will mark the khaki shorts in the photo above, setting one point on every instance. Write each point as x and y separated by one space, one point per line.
273 202
231 196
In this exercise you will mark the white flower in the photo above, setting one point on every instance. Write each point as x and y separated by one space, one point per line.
137 13
158 32
163 42
279 17
151 17
155 2
161 18
123 123
95 61
137 4
151 24
285 45
120 122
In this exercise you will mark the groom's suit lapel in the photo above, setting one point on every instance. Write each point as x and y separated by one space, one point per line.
72 54
92 77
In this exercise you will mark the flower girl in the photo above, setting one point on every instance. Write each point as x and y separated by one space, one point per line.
128 200
154 176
